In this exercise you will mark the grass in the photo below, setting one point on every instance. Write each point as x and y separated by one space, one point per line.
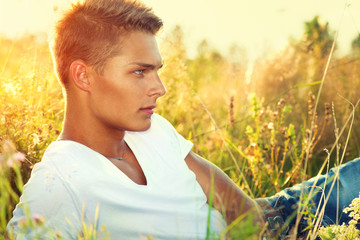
262 129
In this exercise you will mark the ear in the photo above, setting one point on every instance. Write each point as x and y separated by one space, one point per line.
79 75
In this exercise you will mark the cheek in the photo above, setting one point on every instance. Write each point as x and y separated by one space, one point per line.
119 93
106 89
103 96
115 102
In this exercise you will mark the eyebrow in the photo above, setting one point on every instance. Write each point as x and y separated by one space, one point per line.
146 65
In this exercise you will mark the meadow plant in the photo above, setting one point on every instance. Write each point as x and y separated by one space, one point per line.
242 228
344 231
260 140
11 182
274 153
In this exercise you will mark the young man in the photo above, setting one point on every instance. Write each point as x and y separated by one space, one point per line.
116 163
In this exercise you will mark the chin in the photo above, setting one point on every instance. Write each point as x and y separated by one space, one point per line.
141 127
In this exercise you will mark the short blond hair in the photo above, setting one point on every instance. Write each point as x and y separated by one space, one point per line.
91 30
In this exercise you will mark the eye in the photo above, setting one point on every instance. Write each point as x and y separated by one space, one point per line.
139 72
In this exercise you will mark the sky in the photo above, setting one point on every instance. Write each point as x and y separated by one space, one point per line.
255 25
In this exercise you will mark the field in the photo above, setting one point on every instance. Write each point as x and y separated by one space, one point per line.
268 124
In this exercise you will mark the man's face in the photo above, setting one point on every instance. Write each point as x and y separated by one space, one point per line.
124 96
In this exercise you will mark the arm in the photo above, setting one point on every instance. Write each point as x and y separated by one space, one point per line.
228 198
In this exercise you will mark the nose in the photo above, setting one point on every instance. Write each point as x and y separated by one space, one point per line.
157 87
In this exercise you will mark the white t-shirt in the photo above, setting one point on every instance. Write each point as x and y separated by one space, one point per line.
72 181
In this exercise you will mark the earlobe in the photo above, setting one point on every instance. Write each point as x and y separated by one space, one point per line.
79 75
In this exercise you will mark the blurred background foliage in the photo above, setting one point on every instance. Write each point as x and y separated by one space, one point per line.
251 118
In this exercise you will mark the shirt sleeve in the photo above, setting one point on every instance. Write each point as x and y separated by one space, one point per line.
47 202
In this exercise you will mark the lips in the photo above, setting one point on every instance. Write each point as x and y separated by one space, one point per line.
148 110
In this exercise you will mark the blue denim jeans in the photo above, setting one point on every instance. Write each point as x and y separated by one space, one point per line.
344 191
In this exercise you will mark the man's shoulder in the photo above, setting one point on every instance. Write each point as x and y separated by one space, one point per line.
66 151
63 146
66 157
65 165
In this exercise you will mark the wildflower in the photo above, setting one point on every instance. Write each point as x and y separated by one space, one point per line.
354 209
275 114
36 139
284 133
22 222
16 158
311 103
280 106
339 232
352 222
38 219
281 102
344 232
57 234
327 113
308 133
231 111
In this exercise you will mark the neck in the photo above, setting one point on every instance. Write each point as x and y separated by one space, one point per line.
81 127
